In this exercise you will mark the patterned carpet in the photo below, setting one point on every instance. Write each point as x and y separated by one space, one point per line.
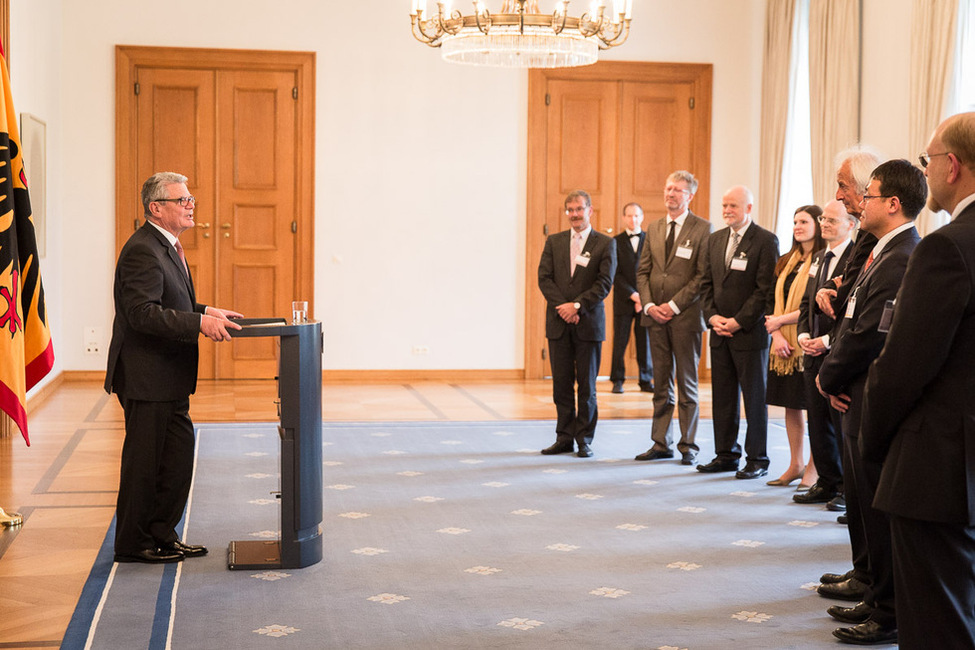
461 535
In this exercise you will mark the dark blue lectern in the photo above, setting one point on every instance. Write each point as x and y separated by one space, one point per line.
300 428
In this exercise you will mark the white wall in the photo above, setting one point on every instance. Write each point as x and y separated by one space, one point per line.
420 170
35 79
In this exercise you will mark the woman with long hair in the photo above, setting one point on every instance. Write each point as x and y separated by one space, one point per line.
785 383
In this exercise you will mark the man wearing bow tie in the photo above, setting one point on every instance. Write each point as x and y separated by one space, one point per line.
626 304
575 275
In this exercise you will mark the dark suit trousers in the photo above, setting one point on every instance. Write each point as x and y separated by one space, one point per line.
825 431
574 361
869 528
673 348
156 472
624 318
739 374
934 569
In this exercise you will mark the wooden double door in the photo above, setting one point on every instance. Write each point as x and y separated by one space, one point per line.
240 126
615 130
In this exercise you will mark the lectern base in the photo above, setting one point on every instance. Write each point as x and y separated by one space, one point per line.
254 555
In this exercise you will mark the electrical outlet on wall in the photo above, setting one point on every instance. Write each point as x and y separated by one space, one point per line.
93 340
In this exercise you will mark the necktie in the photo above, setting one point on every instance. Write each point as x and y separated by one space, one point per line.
824 272
735 239
182 258
575 251
869 261
669 245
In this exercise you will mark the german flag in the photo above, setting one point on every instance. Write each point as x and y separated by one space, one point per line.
26 350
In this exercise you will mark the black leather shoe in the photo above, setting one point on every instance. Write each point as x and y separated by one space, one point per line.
837 504
152 556
850 589
816 494
688 457
584 451
617 387
833 578
718 465
558 448
655 454
188 550
842 520
751 471
646 388
869 633
859 613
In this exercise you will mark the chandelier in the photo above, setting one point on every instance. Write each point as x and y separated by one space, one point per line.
520 35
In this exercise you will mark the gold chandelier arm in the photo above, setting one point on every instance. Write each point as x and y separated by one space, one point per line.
614 34
449 24
419 28
589 27
484 26
559 18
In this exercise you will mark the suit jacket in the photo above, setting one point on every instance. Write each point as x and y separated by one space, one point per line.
154 351
589 286
661 279
624 284
858 342
747 295
813 320
919 417
859 252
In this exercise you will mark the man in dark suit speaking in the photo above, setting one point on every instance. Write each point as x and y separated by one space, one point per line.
919 410
575 275
737 293
152 366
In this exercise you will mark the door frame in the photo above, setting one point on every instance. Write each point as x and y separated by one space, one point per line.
129 58
698 75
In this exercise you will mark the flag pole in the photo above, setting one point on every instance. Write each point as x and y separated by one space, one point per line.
10 519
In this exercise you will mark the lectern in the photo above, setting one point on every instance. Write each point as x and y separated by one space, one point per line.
300 429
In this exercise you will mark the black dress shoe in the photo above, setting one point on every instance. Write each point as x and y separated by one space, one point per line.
850 589
584 451
869 633
718 465
688 457
833 578
646 388
816 494
842 520
152 556
655 454
837 504
558 448
188 550
751 471
617 387
859 613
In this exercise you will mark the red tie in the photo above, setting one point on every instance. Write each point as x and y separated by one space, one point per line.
869 261
182 257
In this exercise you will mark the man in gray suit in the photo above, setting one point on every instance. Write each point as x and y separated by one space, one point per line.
919 415
668 278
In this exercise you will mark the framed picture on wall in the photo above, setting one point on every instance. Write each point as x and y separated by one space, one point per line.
33 140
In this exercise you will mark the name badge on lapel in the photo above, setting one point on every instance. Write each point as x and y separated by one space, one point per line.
739 263
583 259
851 304
813 270
684 252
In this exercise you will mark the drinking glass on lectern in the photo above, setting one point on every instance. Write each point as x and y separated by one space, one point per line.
299 311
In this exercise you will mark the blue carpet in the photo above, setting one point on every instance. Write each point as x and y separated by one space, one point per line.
461 535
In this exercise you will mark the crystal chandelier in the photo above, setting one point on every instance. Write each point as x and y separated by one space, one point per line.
520 35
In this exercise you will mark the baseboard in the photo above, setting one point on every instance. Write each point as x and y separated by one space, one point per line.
407 376
44 393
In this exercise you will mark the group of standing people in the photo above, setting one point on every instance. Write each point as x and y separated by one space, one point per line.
861 326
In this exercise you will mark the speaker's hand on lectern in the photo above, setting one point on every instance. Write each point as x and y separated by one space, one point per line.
215 323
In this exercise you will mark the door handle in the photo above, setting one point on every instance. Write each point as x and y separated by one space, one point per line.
609 231
225 226
203 225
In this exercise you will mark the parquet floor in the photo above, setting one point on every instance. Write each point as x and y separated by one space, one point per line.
65 482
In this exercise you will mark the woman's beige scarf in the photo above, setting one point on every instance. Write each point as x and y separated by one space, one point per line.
792 363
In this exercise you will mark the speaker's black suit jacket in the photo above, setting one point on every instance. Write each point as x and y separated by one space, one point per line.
154 352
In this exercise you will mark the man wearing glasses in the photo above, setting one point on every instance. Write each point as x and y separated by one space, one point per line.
894 197
152 368
669 281
919 415
575 275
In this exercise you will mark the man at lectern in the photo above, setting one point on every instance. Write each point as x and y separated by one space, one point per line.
152 368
